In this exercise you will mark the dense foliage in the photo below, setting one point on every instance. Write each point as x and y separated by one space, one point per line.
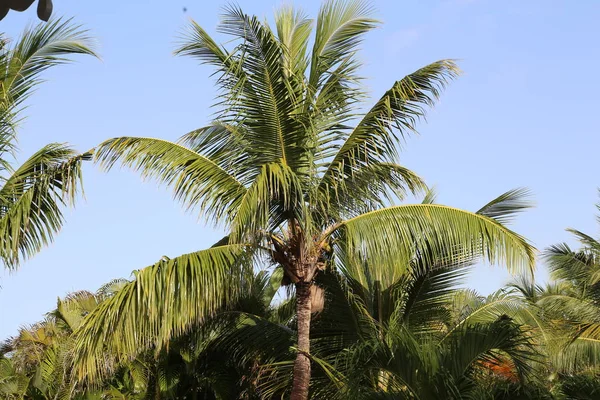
423 337
325 285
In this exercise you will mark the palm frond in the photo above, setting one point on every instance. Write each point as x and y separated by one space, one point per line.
489 343
275 195
198 182
385 236
370 188
37 49
506 206
268 100
163 300
32 198
293 31
374 140
341 25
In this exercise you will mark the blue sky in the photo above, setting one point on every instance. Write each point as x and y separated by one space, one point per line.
525 113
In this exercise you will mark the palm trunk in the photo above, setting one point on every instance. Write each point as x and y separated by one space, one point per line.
302 363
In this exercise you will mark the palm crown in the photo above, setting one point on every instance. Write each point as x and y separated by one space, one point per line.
297 174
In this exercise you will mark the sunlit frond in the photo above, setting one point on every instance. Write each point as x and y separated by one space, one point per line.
376 138
163 301
384 236
198 182
341 25
31 201
275 195
293 31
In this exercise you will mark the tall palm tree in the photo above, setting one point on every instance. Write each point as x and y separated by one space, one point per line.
33 194
296 174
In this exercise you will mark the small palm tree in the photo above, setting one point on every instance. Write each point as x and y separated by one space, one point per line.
33 194
297 175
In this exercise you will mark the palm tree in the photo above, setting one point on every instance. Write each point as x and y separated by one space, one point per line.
400 336
33 194
295 173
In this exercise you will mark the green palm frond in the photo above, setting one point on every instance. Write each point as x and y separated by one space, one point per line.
370 188
32 197
13 385
275 195
489 343
293 31
39 48
427 297
267 102
198 182
579 355
341 25
430 196
586 240
506 206
384 236
479 310
374 140
31 200
227 145
163 301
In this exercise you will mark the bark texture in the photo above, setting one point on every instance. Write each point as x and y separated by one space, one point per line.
302 362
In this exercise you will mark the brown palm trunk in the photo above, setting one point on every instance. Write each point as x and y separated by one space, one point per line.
302 363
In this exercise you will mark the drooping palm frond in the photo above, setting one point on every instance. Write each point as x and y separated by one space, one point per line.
427 297
198 182
31 201
386 235
39 48
163 301
489 344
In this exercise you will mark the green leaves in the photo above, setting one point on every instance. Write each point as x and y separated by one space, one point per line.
392 235
163 301
341 26
198 182
283 169
38 49
374 142
31 200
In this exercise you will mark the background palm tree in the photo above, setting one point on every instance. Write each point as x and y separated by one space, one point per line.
32 194
41 354
298 176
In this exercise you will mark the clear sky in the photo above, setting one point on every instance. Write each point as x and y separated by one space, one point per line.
526 112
